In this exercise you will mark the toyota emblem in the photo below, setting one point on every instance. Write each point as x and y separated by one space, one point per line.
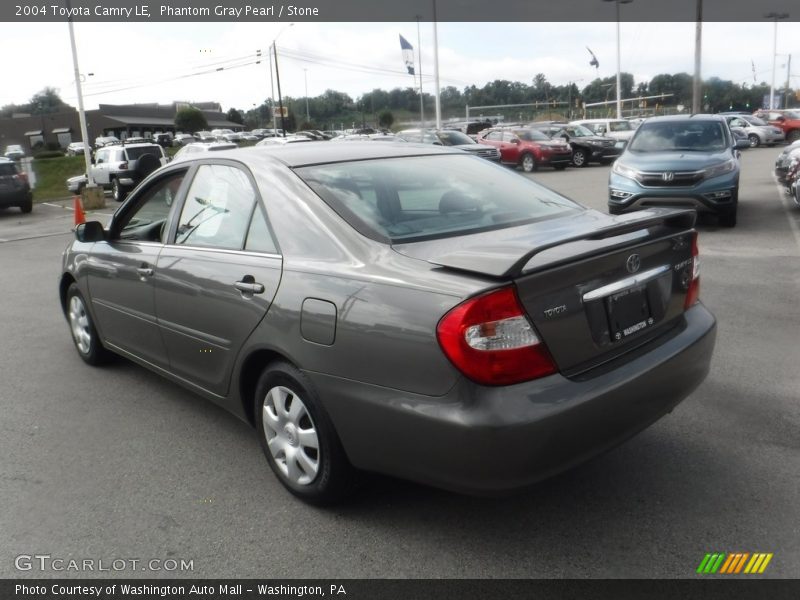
633 263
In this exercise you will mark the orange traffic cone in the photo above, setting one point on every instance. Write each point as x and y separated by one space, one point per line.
79 215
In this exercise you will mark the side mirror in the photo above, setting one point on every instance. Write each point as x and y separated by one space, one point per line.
91 231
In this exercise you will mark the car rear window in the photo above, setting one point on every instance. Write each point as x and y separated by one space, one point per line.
427 197
135 153
7 169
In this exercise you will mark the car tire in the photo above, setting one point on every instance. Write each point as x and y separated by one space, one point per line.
84 333
291 421
527 162
26 206
755 141
117 191
728 219
614 210
579 158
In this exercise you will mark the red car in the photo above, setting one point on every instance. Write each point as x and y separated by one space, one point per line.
787 120
527 148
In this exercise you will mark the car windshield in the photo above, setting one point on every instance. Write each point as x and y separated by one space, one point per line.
446 195
531 135
679 136
792 114
579 131
454 138
619 126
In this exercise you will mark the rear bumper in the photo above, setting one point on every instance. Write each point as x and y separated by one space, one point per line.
15 198
487 440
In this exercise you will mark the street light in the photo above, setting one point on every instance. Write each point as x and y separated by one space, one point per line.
619 72
305 76
278 79
774 17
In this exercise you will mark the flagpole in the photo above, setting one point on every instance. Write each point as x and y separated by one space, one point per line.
436 69
421 97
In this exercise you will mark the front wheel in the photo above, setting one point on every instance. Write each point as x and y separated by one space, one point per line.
298 437
84 333
755 141
528 163
579 158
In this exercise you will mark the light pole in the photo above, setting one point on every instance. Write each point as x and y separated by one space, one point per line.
305 76
619 71
278 79
774 17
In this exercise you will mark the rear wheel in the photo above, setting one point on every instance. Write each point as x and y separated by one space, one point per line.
579 158
26 206
528 162
298 437
117 191
755 141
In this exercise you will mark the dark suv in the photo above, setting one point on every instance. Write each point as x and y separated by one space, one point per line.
787 120
586 145
121 167
14 187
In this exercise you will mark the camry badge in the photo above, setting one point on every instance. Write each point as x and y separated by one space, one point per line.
633 263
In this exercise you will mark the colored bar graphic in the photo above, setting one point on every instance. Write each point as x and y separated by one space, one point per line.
734 563
766 562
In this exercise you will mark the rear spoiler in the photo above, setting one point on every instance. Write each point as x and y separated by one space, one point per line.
508 259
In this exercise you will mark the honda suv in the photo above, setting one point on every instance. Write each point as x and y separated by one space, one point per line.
121 167
679 161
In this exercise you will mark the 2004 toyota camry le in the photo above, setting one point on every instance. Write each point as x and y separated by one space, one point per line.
396 308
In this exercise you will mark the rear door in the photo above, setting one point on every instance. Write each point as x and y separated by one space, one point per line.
217 276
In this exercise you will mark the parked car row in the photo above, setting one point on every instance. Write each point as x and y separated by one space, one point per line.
787 170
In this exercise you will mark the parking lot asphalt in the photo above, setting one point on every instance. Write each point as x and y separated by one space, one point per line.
117 463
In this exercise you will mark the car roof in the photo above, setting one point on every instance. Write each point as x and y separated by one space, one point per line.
692 117
322 152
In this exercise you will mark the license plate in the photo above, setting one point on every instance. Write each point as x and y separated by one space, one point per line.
628 313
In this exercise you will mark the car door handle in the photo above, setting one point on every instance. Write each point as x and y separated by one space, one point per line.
249 287
145 271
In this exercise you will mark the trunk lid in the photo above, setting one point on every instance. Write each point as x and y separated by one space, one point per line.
594 286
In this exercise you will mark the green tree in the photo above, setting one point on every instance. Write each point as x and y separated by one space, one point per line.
234 116
386 119
46 101
190 119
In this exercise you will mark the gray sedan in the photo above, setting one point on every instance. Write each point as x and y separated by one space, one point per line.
407 310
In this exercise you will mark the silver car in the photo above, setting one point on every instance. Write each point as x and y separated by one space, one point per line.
395 308
758 132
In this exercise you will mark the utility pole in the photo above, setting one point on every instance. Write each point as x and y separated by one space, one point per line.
421 98
697 93
305 76
278 80
788 77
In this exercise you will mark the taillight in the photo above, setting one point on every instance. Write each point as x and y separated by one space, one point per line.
490 340
693 293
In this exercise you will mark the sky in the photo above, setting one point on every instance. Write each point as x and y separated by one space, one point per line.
164 62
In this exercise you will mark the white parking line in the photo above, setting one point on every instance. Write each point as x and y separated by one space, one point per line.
791 208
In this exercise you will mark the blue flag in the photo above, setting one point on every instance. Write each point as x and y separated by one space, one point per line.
408 54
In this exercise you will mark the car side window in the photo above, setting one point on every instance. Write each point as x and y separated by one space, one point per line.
495 136
217 209
259 237
146 221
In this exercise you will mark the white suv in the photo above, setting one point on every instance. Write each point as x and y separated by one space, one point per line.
121 167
